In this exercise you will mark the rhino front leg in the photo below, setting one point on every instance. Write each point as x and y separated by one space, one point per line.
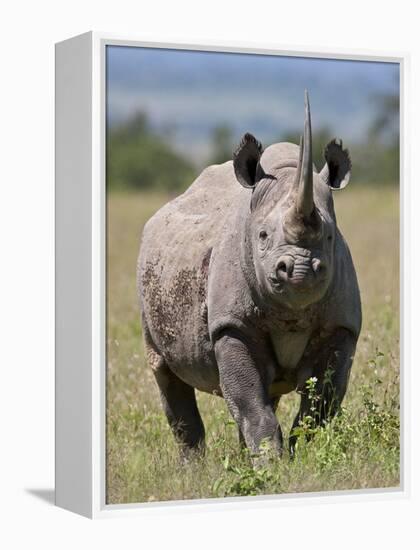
274 403
332 371
245 391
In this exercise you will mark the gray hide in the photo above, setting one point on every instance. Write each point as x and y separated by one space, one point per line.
247 288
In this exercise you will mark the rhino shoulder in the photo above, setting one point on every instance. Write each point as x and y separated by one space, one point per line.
230 302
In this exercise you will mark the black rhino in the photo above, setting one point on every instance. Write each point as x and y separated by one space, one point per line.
247 288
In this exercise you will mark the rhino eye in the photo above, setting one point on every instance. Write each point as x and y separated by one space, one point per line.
263 235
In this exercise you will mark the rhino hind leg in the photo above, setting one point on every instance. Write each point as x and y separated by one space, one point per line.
180 406
178 402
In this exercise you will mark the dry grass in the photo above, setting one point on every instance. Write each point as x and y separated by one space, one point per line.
363 448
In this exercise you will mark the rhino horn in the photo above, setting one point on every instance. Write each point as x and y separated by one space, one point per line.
305 192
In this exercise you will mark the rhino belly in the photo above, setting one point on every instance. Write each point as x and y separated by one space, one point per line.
289 347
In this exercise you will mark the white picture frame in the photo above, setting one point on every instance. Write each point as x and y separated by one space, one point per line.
80 277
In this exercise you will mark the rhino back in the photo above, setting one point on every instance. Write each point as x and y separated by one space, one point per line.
172 272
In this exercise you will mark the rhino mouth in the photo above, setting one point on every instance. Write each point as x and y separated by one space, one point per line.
299 282
277 286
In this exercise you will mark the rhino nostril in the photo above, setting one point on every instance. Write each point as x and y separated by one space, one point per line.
284 267
318 266
281 266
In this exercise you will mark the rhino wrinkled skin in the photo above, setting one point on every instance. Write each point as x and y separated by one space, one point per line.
247 288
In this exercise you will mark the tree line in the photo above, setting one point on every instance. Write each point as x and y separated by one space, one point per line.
139 157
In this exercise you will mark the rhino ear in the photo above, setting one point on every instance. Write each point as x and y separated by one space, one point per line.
336 172
246 161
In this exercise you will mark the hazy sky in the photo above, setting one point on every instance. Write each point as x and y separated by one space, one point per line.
188 93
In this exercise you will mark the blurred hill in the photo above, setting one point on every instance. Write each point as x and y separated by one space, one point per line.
193 92
171 112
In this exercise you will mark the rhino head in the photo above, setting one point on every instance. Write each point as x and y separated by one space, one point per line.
290 228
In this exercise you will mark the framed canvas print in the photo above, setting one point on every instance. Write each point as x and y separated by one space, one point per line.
228 260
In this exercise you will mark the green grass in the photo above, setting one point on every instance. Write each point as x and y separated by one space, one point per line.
360 449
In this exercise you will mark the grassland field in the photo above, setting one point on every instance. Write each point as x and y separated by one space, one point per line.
360 449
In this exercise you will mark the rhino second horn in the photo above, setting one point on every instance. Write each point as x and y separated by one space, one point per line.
305 194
